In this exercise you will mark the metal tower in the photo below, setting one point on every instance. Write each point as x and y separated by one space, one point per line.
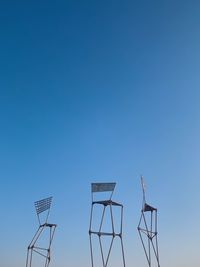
99 230
42 240
147 229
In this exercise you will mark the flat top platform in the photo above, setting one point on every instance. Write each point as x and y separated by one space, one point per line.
107 202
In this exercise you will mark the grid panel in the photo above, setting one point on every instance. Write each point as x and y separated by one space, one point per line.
102 187
43 204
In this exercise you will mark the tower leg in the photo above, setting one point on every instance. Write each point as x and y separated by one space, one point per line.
42 251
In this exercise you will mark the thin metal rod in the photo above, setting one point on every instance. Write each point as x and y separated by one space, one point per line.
111 194
109 251
102 217
123 256
36 234
40 248
122 246
144 248
91 251
151 223
111 215
143 192
39 253
101 249
91 212
121 220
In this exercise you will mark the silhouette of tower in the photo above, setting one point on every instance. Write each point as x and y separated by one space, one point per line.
99 231
147 229
42 240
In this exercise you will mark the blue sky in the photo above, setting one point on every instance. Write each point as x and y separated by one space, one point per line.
100 91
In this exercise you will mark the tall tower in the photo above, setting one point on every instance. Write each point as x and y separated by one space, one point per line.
41 243
147 229
99 231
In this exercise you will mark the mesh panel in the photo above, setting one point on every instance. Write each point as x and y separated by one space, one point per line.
43 204
102 187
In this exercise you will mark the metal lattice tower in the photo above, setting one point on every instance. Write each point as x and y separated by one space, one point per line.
38 245
147 229
100 233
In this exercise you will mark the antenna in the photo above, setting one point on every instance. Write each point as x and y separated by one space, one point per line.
42 210
147 229
143 190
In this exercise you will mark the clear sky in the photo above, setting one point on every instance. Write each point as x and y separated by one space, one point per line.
100 91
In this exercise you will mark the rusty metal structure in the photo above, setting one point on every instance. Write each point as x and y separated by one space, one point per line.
99 232
147 229
42 240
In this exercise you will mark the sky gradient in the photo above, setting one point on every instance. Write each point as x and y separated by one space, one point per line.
100 91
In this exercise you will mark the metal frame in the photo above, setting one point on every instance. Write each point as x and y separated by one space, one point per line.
148 227
105 187
41 206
